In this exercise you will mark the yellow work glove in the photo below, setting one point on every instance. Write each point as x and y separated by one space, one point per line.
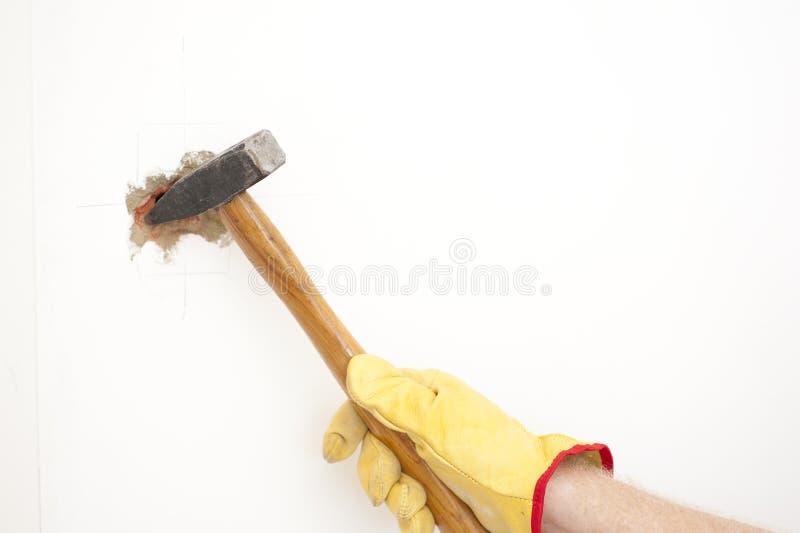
484 456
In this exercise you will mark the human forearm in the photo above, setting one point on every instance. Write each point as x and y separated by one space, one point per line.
583 498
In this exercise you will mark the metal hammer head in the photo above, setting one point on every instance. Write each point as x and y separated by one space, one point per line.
217 181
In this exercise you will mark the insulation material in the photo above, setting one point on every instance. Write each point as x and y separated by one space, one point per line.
140 200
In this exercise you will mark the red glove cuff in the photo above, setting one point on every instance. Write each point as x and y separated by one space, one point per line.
541 486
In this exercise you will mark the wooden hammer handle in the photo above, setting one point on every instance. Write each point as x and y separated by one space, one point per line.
277 264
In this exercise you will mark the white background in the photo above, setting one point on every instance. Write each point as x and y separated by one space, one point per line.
641 155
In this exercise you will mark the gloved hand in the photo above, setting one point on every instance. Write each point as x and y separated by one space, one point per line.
484 456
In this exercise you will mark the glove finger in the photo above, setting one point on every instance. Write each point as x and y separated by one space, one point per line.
421 522
344 433
378 469
406 497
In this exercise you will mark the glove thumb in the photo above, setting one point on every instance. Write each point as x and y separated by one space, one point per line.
398 398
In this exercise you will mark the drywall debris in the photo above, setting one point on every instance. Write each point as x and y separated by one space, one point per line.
140 200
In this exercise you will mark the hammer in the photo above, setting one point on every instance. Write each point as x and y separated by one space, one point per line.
222 183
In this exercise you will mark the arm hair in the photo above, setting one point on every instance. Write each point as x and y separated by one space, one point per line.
581 497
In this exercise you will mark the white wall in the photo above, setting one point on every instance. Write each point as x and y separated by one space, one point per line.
642 156
19 489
